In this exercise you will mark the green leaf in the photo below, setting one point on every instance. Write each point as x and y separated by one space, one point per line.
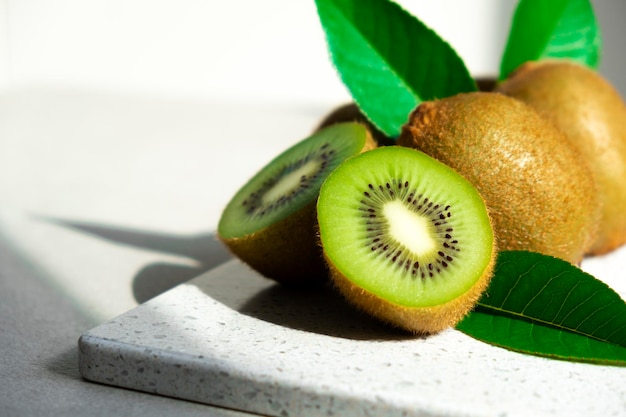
544 306
389 60
557 29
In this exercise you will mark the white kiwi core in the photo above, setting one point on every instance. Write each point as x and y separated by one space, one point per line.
291 182
409 228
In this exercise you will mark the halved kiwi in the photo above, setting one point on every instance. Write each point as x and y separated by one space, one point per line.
407 239
270 223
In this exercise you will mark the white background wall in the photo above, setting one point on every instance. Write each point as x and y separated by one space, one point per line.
236 49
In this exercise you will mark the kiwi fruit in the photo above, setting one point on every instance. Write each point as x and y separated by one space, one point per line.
270 223
591 113
407 239
539 191
350 112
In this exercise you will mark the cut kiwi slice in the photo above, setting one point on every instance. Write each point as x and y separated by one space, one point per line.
270 223
406 238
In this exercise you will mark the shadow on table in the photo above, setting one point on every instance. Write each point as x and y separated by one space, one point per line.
321 311
157 278
315 309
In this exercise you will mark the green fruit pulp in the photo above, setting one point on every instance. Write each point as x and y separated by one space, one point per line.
290 181
434 222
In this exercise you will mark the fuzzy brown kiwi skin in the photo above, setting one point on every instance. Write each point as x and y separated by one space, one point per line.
539 190
288 251
591 113
350 112
415 320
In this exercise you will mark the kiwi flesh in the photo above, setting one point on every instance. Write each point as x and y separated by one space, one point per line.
406 238
539 191
591 113
270 223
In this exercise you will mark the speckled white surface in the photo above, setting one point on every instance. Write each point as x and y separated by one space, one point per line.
234 339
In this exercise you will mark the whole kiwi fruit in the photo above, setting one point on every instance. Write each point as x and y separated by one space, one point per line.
407 239
592 114
538 189
270 222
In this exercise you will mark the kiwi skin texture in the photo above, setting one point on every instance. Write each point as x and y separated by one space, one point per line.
539 190
288 251
418 321
591 113
350 112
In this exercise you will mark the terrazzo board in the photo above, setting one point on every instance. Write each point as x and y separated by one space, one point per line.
235 339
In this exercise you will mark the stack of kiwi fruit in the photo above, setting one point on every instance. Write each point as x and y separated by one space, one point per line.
408 228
